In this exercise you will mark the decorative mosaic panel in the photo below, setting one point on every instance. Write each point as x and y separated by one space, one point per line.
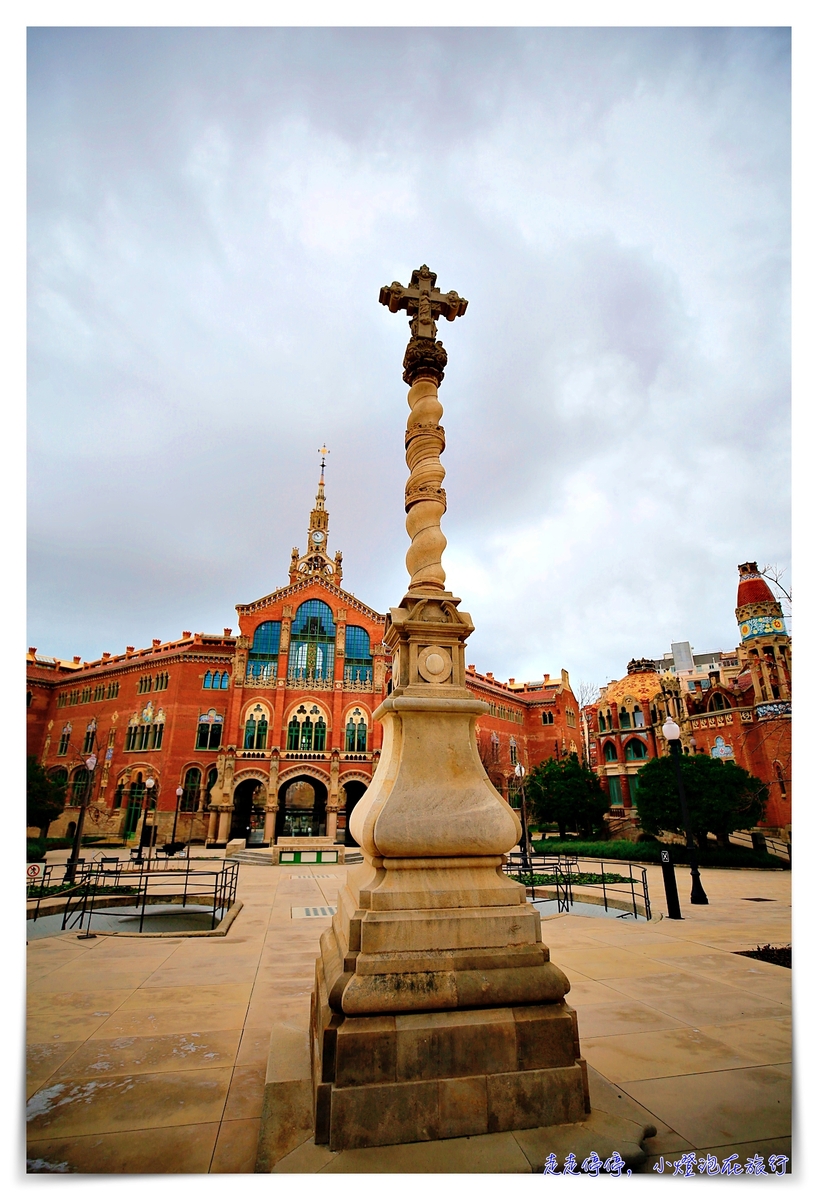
776 708
761 626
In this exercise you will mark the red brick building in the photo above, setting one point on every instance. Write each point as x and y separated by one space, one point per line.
741 710
264 736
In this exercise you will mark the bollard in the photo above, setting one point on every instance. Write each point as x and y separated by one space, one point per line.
674 912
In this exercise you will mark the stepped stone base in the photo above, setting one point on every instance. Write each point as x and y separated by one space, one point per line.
410 1077
287 1141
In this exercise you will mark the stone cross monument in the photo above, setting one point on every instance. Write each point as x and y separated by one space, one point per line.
436 1012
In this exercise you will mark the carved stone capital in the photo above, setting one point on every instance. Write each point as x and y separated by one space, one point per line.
424 359
424 491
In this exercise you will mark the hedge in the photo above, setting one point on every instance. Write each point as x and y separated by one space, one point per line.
648 852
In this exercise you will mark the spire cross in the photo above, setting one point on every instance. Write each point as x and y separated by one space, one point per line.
323 452
423 301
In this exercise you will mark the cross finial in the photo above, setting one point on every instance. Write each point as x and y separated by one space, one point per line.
323 452
424 303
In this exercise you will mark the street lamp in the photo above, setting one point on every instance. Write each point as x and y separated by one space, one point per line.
180 791
673 735
71 865
519 771
150 783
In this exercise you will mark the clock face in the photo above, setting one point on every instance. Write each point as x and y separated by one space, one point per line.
318 537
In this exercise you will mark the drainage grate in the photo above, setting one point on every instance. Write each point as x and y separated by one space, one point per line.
759 899
324 911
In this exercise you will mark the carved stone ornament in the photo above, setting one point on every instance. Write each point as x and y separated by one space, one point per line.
424 358
435 664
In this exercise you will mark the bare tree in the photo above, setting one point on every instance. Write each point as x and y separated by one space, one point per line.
775 574
586 693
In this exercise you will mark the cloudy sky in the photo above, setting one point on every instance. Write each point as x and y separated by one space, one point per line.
211 215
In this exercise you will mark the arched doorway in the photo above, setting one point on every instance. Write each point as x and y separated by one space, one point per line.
353 792
249 807
302 808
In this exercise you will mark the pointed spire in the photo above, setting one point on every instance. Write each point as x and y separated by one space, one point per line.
320 498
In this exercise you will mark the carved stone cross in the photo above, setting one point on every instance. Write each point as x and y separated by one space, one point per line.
423 301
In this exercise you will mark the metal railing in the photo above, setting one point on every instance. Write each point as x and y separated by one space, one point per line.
148 879
773 845
566 871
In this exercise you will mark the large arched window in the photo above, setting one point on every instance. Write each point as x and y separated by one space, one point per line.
357 655
624 719
610 752
190 795
602 724
636 748
356 732
547 718
312 642
717 703
255 729
262 661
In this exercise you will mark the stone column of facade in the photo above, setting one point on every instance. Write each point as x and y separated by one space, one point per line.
436 1011
334 793
272 800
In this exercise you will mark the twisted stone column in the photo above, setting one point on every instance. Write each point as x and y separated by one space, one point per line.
425 498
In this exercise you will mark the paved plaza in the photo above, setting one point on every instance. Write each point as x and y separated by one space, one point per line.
149 1055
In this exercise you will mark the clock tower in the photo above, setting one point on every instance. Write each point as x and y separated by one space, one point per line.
316 560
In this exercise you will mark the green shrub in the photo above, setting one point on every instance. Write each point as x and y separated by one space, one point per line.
648 852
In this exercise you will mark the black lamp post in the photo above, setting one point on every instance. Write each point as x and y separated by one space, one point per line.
150 783
519 771
71 865
673 734
180 791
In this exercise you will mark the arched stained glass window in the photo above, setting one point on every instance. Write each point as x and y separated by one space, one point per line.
306 734
319 737
624 719
602 725
208 679
356 732
357 655
312 642
255 729
636 748
293 730
225 680
610 752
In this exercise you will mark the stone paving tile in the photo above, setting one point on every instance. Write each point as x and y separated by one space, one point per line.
620 1015
681 1051
70 1016
183 1149
744 1105
236 1147
768 1040
69 1107
246 1094
716 1005
43 1059
102 1058
145 1022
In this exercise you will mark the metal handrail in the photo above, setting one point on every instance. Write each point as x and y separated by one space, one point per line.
565 868
104 875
